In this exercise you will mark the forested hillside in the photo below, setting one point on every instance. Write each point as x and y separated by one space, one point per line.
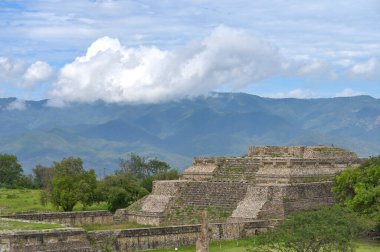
221 124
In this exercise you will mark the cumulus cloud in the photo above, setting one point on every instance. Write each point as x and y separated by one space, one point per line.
37 72
366 70
18 73
347 92
10 68
16 105
114 73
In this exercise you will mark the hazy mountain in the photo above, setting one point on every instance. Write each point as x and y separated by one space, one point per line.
222 124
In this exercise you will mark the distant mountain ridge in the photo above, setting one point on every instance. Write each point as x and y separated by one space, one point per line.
221 124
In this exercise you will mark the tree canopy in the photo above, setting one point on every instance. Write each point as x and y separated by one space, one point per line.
11 172
72 184
359 189
121 190
141 167
326 229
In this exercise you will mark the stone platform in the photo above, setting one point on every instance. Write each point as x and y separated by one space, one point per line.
268 183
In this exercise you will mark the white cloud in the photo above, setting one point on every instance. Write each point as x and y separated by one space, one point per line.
367 70
114 73
296 93
18 73
347 92
16 105
311 68
37 72
10 68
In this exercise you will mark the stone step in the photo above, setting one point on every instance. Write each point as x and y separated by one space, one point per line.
252 204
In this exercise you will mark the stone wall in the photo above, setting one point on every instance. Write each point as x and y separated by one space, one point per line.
290 198
294 170
169 199
124 240
54 241
272 174
276 201
222 168
315 152
276 151
68 218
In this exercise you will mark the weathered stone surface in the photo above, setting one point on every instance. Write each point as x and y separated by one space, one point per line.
204 236
67 218
31 241
270 182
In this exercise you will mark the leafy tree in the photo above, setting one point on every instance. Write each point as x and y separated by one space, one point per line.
72 184
10 170
359 189
147 182
121 190
327 229
25 182
42 175
142 167
156 167
135 165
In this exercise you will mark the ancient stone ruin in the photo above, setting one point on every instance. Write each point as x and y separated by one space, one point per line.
268 183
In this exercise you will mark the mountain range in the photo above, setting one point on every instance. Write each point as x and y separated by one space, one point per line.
220 124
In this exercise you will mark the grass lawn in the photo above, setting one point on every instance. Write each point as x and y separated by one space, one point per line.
241 245
28 200
112 226
24 225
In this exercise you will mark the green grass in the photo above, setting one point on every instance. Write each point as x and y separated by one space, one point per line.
368 246
23 225
28 200
242 244
112 226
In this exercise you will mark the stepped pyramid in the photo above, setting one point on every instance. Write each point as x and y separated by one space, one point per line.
268 183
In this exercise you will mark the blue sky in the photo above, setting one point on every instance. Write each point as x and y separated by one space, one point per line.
154 51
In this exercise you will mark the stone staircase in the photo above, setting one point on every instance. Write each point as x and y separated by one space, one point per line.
241 170
219 194
250 207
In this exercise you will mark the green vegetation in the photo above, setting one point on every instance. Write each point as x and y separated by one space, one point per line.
328 149
6 224
120 190
68 186
147 170
72 184
21 200
112 226
359 189
242 245
326 229
28 200
133 181
11 173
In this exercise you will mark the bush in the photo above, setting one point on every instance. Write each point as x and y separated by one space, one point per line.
327 229
359 189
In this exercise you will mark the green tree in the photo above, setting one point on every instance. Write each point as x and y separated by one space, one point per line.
10 170
121 190
142 167
326 229
72 184
147 182
42 175
135 165
359 189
